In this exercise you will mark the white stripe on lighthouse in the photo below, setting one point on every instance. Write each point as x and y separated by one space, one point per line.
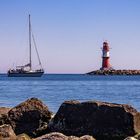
105 54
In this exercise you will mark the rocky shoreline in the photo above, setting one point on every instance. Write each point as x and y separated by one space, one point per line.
114 72
91 120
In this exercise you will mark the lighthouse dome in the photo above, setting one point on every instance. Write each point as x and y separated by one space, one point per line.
105 43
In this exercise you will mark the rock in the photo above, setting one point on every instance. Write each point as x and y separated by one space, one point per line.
105 121
29 116
86 137
73 138
60 136
130 138
137 136
114 72
4 119
7 133
23 137
3 115
53 136
4 110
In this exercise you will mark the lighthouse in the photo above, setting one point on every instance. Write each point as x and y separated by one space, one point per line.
105 57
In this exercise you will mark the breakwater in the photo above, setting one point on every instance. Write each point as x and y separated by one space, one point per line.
114 72
74 120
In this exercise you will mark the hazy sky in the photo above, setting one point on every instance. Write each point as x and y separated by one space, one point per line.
69 33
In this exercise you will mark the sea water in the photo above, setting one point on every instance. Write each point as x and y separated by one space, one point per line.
54 89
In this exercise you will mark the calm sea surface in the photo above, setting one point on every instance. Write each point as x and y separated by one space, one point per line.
53 89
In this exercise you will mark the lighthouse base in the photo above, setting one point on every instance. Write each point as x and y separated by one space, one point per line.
114 72
104 68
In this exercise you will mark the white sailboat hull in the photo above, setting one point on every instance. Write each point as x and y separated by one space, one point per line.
25 74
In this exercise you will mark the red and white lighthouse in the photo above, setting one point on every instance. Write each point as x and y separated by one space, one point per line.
105 57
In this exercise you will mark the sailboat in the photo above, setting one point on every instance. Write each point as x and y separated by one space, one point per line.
26 70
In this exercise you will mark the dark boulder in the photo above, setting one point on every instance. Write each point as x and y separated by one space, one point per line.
104 121
29 116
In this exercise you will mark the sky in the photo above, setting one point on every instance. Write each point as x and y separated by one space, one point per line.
69 33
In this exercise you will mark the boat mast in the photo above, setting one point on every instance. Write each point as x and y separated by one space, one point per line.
30 58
